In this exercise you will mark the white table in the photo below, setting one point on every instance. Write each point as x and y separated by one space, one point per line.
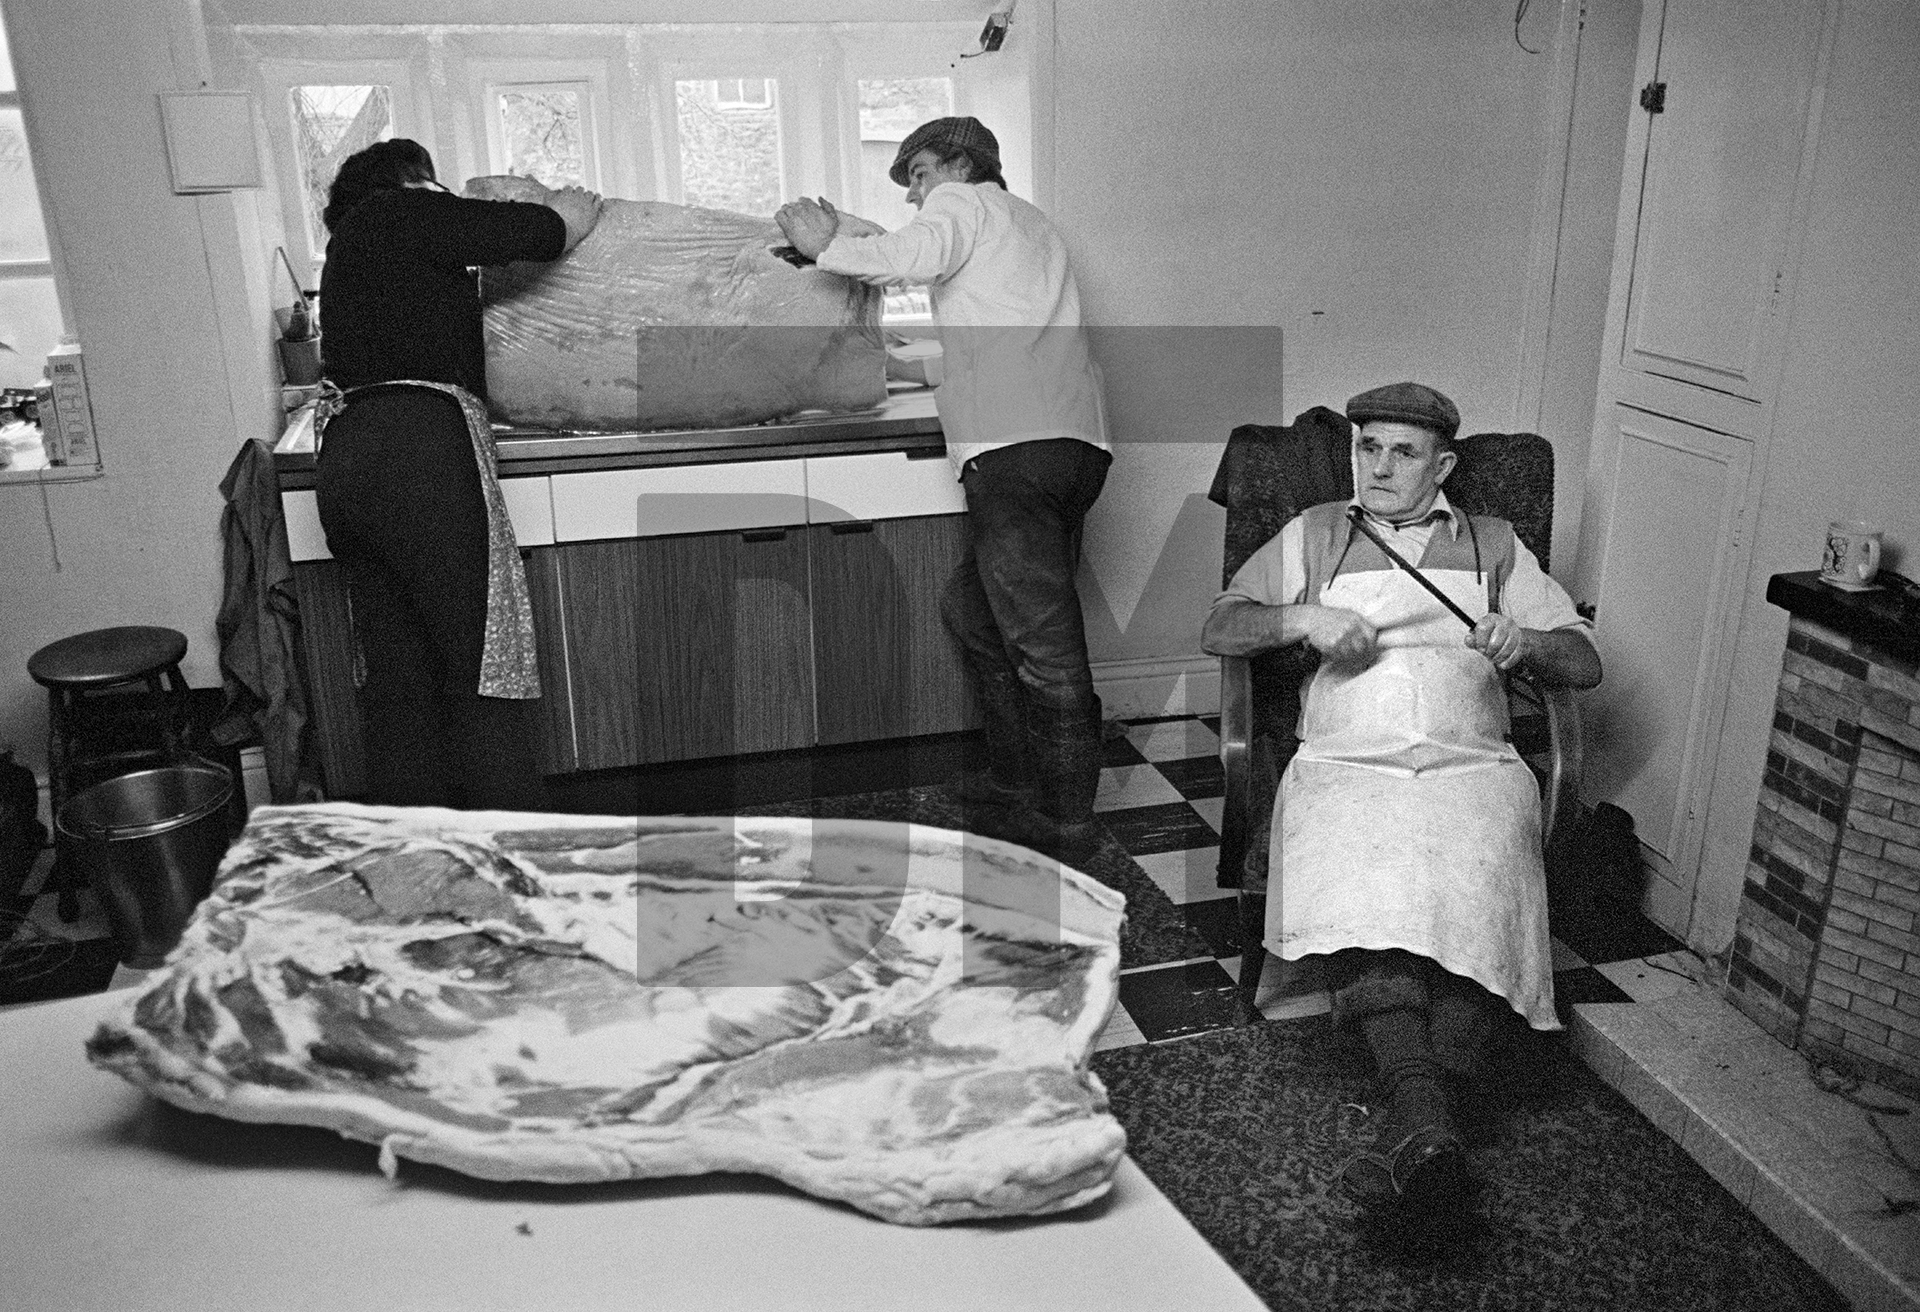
109 1199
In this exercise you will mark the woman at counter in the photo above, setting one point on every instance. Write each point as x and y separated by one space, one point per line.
406 485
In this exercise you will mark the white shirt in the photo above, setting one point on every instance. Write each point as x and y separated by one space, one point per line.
1013 350
1276 574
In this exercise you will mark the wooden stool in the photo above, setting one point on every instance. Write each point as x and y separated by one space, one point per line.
91 735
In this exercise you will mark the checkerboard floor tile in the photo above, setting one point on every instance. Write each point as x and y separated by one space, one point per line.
1161 795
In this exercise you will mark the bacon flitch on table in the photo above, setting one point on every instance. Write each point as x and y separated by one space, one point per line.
889 1015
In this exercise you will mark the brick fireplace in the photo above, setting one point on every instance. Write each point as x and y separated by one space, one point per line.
1826 954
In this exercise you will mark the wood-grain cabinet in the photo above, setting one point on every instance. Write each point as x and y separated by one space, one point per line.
822 629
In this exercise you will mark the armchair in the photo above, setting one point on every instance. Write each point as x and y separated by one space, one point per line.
1266 476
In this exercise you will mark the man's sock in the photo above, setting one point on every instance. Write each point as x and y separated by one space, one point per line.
1460 1021
1408 1077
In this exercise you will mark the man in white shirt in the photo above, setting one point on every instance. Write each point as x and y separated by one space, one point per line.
1021 409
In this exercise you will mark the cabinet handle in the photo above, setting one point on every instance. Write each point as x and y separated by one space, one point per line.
852 526
764 535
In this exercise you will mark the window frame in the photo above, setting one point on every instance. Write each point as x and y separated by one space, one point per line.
443 79
10 269
741 101
277 79
50 268
488 76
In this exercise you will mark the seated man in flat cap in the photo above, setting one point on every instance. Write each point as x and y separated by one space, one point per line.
1021 408
1406 835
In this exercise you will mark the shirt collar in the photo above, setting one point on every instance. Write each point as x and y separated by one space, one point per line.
1442 511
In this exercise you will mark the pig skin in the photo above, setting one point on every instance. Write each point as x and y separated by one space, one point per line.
670 316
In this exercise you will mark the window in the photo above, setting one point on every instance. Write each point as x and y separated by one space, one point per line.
729 156
743 93
738 116
544 133
329 124
890 108
30 322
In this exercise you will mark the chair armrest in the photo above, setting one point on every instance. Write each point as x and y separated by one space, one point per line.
1557 801
1236 762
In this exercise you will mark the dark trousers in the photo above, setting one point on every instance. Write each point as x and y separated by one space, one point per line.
400 499
1458 1015
1014 608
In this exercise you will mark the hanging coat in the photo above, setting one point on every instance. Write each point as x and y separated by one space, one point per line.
259 627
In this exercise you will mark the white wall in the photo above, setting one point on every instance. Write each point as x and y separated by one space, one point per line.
1846 437
164 291
1359 175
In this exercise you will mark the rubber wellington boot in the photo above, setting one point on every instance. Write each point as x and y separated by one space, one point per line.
1066 750
1007 782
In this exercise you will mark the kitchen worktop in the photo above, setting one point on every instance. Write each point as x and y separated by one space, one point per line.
905 422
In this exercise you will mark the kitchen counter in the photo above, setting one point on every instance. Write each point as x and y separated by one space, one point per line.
905 422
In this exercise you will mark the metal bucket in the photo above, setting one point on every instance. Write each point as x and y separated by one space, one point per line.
149 843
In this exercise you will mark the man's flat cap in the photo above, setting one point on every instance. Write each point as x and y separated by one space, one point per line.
946 135
1406 403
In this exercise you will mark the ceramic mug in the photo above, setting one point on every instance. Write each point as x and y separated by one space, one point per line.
1853 553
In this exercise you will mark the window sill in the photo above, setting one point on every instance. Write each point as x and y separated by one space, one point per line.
52 474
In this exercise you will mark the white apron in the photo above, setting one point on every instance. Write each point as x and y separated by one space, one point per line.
1406 820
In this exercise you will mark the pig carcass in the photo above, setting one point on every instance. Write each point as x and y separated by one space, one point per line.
670 316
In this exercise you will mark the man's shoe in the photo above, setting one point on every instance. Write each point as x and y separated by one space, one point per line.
1424 1173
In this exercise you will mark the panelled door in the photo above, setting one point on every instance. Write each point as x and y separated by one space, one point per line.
1725 98
1715 177
1673 548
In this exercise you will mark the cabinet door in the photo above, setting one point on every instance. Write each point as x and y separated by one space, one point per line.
687 647
1672 542
556 726
326 639
886 667
1719 171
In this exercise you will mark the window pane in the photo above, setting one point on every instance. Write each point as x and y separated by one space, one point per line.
329 124
743 93
22 235
729 157
29 328
890 108
6 63
541 128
